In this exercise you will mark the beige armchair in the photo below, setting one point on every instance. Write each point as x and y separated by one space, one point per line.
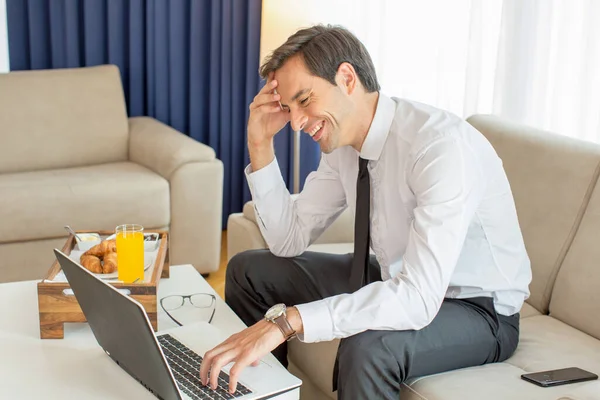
70 155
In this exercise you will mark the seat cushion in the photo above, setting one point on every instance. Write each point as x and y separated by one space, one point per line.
37 205
316 361
24 261
500 381
545 343
528 311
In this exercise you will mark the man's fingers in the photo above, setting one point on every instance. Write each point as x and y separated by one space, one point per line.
262 99
236 370
270 79
270 109
208 360
205 367
269 86
217 364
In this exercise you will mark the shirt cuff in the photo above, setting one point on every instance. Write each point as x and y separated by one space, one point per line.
264 180
317 322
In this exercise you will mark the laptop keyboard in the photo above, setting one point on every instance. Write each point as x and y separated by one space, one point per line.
185 365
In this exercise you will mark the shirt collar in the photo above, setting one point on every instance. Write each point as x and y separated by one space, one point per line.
379 129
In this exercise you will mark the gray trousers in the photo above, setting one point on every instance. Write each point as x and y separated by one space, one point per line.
372 364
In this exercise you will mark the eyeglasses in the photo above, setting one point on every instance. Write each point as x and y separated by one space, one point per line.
198 300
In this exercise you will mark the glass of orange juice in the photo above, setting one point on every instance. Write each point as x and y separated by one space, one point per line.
130 252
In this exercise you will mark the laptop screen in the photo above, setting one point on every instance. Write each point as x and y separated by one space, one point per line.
122 329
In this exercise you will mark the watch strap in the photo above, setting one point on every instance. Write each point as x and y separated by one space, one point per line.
283 324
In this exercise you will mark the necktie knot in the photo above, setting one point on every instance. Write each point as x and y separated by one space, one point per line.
363 164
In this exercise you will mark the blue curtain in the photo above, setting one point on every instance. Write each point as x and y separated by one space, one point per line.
191 64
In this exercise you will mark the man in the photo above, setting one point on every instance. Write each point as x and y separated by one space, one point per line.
450 271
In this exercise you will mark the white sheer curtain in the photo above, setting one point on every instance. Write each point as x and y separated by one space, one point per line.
4 66
549 66
532 61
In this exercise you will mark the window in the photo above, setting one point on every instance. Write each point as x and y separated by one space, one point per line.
536 62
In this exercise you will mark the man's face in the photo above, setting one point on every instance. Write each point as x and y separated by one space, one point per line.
316 106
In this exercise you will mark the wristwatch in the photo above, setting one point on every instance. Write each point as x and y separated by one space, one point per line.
277 315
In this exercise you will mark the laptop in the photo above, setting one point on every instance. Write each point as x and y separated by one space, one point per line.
168 363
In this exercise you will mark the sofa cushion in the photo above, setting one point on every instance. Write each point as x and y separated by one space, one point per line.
24 261
545 343
62 118
316 359
500 381
37 205
551 177
490 382
528 311
576 295
308 390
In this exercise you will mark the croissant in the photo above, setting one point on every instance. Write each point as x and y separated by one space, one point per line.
92 263
110 246
95 251
110 263
104 247
105 250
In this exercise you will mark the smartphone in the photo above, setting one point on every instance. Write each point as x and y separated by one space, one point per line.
559 377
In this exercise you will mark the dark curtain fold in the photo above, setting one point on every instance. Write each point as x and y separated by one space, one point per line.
191 64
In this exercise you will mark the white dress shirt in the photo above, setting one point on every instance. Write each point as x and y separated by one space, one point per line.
443 221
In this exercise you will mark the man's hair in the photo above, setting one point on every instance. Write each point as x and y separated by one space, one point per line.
324 49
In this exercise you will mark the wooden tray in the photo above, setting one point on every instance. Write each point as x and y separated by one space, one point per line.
56 307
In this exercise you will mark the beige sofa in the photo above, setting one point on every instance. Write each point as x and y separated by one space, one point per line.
70 155
554 180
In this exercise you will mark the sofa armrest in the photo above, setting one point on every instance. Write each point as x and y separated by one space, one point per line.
161 148
243 232
196 190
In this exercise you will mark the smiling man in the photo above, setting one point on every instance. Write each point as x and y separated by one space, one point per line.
449 273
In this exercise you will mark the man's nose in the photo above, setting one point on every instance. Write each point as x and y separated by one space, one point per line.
298 120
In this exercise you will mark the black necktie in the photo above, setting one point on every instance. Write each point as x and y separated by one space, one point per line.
360 263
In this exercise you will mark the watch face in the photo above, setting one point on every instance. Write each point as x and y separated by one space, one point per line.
275 311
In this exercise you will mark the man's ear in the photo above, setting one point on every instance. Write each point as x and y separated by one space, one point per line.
346 77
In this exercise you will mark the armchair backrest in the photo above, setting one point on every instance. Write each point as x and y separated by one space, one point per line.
62 118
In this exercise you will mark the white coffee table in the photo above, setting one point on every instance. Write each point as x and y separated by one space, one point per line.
76 367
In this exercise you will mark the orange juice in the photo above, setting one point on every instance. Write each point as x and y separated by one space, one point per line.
130 253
